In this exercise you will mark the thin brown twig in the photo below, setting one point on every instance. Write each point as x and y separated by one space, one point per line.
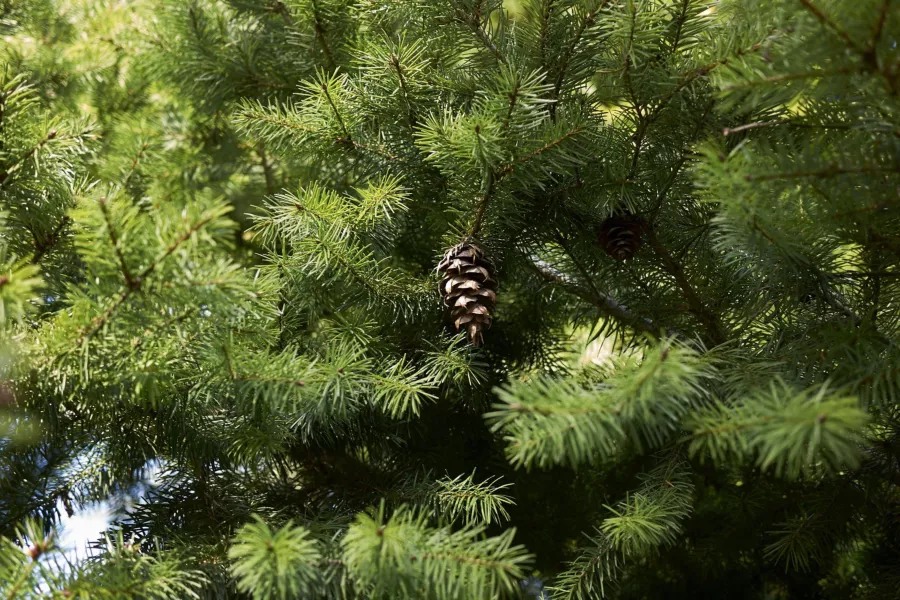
789 123
278 7
410 116
546 11
482 206
509 168
747 127
680 25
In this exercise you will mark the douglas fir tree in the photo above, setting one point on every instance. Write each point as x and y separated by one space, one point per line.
463 299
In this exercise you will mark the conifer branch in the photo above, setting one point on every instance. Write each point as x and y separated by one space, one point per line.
395 62
492 178
42 247
747 127
152 333
792 77
114 240
879 27
586 22
832 170
513 98
604 303
509 168
279 8
473 21
685 154
268 173
337 114
291 125
11 168
673 268
99 322
691 76
486 195
134 163
22 580
351 270
834 302
241 377
789 123
546 11
679 25
318 374
821 16
174 246
321 36
598 563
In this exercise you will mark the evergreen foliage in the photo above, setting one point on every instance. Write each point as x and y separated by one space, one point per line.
221 226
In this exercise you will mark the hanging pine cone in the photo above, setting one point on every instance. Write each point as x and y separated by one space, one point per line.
620 235
468 288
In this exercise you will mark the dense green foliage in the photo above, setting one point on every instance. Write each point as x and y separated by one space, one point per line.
221 222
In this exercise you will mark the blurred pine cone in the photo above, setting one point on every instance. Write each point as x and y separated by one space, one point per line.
620 235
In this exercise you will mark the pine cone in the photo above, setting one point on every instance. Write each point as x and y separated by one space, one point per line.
469 289
620 235
34 552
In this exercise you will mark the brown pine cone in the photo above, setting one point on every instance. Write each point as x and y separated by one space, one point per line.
469 289
620 235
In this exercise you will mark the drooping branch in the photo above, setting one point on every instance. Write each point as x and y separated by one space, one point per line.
604 303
